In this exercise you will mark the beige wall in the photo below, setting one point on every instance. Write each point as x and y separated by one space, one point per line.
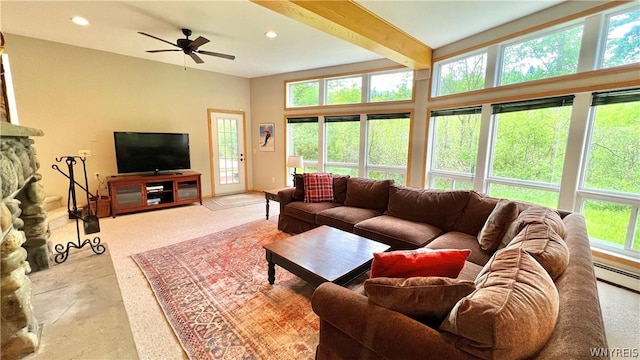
79 97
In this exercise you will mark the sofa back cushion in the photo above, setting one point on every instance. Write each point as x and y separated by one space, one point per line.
434 207
532 215
475 213
547 247
368 193
497 224
511 314
429 297
339 188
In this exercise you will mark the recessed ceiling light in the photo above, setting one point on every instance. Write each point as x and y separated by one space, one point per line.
270 34
79 20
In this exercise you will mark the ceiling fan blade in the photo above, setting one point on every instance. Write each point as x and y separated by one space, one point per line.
198 42
156 51
157 38
225 56
196 58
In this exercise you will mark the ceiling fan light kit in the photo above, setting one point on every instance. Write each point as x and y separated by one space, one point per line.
189 47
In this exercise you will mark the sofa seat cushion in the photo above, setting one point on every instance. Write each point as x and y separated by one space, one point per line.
397 233
435 207
475 213
547 247
307 211
368 193
458 240
469 271
511 314
422 298
344 217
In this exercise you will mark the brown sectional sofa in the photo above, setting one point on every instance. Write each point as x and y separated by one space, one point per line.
539 257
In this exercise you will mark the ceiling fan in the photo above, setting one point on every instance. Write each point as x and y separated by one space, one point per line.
189 47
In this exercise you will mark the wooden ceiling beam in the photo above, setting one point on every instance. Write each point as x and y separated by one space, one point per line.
351 22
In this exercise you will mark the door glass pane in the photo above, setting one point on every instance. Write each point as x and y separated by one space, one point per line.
623 39
547 56
228 151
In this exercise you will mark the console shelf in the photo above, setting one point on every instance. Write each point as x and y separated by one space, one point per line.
131 193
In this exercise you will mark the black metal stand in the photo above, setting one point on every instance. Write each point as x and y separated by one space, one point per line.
90 222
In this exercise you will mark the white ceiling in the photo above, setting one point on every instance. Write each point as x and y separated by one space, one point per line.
237 27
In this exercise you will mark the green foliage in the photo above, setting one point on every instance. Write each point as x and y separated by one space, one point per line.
624 49
343 142
614 156
548 56
344 91
530 145
305 93
388 142
457 142
462 75
304 140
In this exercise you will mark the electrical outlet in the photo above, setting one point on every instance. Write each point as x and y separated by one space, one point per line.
84 153
97 175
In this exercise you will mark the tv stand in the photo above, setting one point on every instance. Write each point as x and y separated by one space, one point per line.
132 193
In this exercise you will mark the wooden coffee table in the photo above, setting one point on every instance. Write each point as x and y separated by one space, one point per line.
323 254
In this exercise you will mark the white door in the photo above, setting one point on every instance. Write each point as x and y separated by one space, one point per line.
226 134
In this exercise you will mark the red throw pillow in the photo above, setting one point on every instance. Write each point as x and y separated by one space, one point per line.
411 263
318 187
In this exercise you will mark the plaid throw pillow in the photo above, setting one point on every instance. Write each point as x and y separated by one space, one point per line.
318 187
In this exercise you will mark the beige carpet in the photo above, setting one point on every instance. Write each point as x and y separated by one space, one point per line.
154 338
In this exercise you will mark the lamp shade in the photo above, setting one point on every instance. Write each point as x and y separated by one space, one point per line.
294 161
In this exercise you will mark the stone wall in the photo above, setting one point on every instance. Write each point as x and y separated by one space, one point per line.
24 245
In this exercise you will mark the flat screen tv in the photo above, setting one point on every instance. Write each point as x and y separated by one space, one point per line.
143 152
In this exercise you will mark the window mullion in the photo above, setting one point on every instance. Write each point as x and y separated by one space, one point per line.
484 150
578 128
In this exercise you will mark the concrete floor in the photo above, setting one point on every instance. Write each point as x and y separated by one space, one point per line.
79 307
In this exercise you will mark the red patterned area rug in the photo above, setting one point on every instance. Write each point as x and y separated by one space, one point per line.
215 294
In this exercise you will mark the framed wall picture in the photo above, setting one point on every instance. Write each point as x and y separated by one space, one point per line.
267 137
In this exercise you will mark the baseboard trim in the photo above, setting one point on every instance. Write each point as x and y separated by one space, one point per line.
617 277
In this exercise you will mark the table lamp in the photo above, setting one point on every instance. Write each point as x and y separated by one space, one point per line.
294 161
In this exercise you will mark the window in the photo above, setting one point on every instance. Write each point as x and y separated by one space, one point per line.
344 90
375 87
388 146
303 93
542 57
391 86
302 139
342 134
461 75
623 39
454 147
610 190
529 143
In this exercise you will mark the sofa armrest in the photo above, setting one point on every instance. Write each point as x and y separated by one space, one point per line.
387 333
285 196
